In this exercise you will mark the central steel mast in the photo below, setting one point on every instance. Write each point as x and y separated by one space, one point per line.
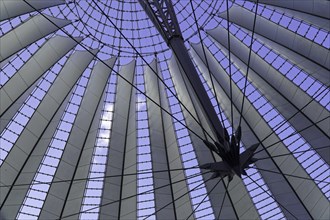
161 13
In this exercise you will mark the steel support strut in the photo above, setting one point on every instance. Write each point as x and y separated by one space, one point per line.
162 14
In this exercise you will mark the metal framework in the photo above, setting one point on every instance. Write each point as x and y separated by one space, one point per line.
119 109
163 16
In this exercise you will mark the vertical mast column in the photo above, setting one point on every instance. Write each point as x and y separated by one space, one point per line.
161 13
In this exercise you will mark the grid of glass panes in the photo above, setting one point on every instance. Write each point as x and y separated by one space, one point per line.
187 153
37 193
186 19
97 171
16 125
296 25
262 197
298 76
128 16
145 202
68 12
62 11
204 12
310 160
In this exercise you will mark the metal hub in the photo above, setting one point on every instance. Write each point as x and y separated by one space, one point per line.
232 161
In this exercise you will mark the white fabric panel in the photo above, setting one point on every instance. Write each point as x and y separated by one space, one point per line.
205 156
183 205
318 8
41 119
68 167
280 35
315 70
158 146
27 33
128 208
92 106
308 18
26 174
10 113
161 131
50 52
13 8
285 96
254 129
122 140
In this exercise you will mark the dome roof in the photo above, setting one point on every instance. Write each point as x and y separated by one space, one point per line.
102 117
